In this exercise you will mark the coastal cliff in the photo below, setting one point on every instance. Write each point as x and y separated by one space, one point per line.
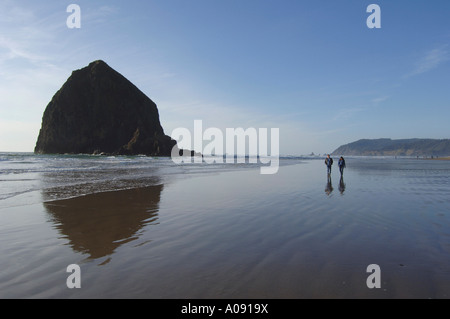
402 147
99 111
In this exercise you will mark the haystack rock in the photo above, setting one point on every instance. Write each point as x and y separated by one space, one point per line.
98 111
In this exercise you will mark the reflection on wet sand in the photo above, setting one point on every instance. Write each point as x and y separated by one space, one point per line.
97 224
329 187
342 185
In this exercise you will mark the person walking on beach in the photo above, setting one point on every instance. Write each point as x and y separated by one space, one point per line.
329 163
341 165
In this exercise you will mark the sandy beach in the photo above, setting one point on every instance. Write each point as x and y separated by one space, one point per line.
240 234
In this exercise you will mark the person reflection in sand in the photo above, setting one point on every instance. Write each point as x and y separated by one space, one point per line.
329 187
97 224
342 185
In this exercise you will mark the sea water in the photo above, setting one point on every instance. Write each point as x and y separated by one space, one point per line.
28 178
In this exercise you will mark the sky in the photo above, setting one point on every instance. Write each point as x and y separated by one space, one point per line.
313 69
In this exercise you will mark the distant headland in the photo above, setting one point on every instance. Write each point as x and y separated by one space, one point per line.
401 147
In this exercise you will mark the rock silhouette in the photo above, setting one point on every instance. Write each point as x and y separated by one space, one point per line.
99 111
97 224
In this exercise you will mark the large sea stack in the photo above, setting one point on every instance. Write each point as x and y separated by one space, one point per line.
99 111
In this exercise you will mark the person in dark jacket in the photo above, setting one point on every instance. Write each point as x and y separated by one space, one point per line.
329 163
341 165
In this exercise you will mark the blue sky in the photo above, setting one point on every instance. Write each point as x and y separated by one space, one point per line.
313 69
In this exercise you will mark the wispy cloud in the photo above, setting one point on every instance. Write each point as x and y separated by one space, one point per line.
431 60
347 113
16 49
378 100
26 35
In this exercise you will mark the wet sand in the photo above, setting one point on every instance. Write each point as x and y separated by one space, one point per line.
95 225
296 234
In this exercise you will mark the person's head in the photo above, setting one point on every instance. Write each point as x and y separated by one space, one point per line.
328 155
341 158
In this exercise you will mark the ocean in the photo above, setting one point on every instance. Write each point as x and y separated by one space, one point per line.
142 227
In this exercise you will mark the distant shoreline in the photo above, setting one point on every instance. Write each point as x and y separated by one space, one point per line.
440 158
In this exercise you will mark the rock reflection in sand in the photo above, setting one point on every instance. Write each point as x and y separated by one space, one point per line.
97 224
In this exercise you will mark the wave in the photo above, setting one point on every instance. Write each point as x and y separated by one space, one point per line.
64 176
